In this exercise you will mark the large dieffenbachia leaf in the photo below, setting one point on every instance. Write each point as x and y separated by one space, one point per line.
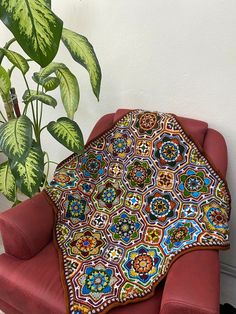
36 28
68 133
5 84
16 59
30 173
7 182
82 52
16 138
31 95
69 86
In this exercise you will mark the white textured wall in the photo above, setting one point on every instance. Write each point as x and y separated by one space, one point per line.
175 56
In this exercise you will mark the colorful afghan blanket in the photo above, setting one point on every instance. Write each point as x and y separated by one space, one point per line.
140 196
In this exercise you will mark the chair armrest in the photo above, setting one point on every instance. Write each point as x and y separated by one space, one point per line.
216 150
193 284
27 228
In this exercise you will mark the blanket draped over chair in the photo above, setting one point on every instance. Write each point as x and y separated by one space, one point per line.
141 195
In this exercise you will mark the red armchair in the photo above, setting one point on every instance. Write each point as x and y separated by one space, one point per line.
29 270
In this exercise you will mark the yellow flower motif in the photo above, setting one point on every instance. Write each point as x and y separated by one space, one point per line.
120 145
82 308
153 235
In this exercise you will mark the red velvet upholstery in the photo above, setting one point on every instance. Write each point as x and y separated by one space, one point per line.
37 219
32 286
29 271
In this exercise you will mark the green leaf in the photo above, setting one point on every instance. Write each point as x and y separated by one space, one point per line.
16 138
40 76
69 88
49 83
36 78
17 202
16 59
82 52
29 174
36 28
44 98
48 3
68 133
7 182
5 83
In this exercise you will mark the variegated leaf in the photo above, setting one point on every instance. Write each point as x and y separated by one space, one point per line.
5 84
68 133
82 52
69 86
29 174
70 93
36 28
40 76
47 2
32 95
49 83
7 182
16 138
16 59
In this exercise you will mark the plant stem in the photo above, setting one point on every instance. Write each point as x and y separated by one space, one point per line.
7 45
47 162
9 108
51 162
41 112
11 70
25 109
43 128
35 125
3 116
37 109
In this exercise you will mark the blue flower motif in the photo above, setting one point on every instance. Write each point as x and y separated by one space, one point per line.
125 227
86 187
76 208
93 165
194 183
97 280
141 264
120 145
180 234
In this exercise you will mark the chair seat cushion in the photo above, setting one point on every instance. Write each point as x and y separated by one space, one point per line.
34 286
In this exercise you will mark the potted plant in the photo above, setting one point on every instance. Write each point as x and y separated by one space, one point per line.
38 31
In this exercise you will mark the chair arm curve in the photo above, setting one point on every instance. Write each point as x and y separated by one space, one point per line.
193 284
27 228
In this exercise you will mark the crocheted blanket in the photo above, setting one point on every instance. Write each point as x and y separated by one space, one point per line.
140 196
